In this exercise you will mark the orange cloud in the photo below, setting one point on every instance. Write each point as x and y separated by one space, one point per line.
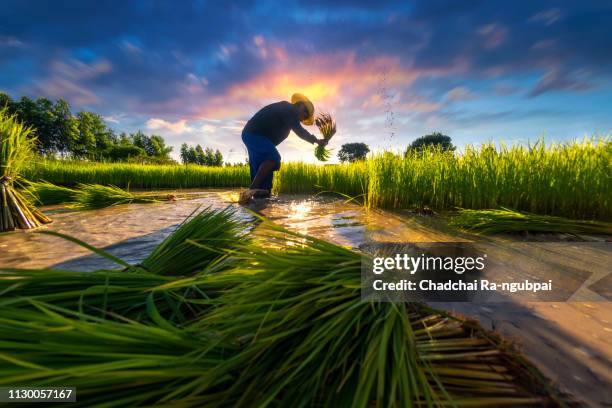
179 126
334 81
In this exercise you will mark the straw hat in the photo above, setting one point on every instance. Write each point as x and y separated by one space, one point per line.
298 97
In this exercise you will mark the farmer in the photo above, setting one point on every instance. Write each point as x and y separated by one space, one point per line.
266 130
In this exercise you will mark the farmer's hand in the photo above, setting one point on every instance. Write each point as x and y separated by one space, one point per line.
321 142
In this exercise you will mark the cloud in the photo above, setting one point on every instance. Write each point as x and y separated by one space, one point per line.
130 48
559 80
10 41
208 128
358 59
459 93
546 44
547 17
494 35
179 126
69 80
111 118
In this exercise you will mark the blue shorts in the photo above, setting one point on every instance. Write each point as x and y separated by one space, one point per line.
261 149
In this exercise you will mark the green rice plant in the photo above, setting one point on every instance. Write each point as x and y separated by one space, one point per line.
174 276
199 242
16 149
507 221
570 180
306 338
299 178
93 196
111 364
286 330
141 176
99 292
327 127
46 193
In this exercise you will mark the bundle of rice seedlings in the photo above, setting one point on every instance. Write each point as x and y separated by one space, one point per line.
201 246
94 196
327 127
16 149
198 243
45 193
287 331
101 292
508 221
111 364
307 339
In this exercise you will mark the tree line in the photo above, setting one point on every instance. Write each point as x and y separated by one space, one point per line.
198 155
84 135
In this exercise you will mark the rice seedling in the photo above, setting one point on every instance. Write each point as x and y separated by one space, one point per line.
45 193
327 127
507 221
285 330
306 338
16 148
174 276
197 243
89 196
93 196
111 364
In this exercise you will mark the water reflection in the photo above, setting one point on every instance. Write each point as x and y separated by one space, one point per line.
131 231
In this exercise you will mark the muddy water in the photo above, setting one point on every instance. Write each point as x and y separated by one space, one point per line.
570 342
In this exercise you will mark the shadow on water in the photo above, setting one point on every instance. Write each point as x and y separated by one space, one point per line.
132 250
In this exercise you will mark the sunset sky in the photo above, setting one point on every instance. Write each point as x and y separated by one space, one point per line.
388 71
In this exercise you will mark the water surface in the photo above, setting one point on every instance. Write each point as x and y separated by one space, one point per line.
570 342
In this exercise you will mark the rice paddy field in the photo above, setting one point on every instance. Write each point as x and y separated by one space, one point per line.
569 180
139 300
216 307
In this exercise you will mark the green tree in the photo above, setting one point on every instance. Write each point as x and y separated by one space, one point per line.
158 147
32 113
119 152
7 101
218 158
200 156
94 137
189 155
434 139
184 153
209 159
124 140
141 140
350 152
85 142
64 129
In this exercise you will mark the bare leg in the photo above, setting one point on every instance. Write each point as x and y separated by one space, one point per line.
262 172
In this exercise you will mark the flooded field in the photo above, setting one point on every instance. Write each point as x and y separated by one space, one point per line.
569 342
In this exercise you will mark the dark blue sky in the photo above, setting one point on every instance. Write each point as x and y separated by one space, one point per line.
389 71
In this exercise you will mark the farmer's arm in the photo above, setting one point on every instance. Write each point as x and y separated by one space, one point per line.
303 133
